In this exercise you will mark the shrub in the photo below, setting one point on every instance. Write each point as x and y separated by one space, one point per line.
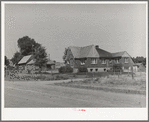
65 69
82 69
117 67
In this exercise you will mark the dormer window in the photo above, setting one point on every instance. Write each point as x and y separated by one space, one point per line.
82 62
110 61
103 61
126 60
117 61
93 61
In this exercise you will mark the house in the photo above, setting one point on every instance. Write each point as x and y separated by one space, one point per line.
96 59
50 64
59 64
22 63
27 63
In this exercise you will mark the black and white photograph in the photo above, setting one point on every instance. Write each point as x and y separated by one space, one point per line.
80 60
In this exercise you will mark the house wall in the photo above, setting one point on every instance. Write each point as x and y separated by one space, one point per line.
89 65
99 67
25 68
126 65
103 67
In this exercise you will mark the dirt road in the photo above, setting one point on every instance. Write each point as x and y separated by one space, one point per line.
25 94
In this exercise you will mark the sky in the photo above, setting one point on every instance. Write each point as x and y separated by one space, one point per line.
114 27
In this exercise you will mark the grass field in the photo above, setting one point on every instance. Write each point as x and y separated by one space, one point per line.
123 83
96 81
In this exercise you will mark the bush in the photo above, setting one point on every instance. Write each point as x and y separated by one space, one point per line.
82 69
117 67
65 69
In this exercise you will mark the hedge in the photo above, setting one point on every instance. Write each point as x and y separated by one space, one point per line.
65 69
82 69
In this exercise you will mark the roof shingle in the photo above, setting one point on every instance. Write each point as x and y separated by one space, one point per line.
89 51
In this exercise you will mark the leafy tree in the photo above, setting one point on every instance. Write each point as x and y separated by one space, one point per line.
134 59
40 56
26 45
144 62
66 69
29 46
82 69
117 67
6 61
140 60
16 57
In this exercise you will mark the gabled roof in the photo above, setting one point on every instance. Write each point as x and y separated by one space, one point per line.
31 62
25 59
89 51
121 54
51 62
83 52
95 51
59 63
75 51
117 54
103 53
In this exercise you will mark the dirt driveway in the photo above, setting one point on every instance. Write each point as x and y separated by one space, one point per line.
25 94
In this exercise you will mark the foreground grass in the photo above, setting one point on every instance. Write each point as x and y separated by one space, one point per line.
95 81
123 83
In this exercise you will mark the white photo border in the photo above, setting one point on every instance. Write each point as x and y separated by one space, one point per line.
69 113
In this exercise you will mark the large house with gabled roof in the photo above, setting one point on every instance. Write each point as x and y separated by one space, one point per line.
96 59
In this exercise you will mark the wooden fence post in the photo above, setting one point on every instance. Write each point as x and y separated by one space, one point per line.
107 74
128 71
132 72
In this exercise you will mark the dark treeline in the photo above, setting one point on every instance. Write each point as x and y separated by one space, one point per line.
140 59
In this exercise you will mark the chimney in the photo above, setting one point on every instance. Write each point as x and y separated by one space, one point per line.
97 46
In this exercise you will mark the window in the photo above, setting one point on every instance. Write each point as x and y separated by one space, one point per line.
117 60
110 61
93 61
126 60
82 62
103 61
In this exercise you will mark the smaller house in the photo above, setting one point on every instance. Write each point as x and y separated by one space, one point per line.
59 64
27 63
50 65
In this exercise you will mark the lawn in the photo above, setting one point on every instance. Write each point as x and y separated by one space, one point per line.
122 83
14 75
96 81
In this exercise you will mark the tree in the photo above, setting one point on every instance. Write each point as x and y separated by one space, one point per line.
16 57
40 56
144 62
29 46
6 61
117 67
26 45
139 60
66 69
